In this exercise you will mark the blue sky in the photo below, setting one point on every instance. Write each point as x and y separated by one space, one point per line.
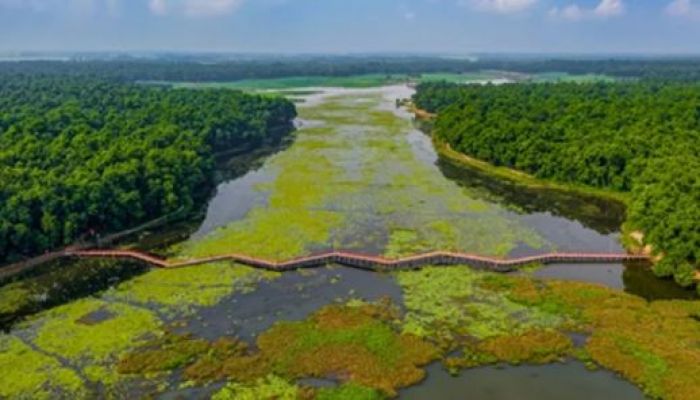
440 26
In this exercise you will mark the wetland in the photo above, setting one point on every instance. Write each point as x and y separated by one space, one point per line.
359 176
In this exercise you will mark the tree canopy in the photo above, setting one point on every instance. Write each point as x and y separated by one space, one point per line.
639 137
200 68
82 154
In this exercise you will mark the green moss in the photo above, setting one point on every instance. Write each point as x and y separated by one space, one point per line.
166 354
349 392
13 298
357 342
179 290
652 344
447 303
29 374
355 182
354 342
537 346
203 359
269 388
60 331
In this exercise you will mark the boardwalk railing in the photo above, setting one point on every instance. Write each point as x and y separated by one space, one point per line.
368 262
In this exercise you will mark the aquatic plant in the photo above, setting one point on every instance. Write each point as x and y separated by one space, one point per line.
28 373
357 343
448 303
518 319
356 182
69 332
349 391
653 344
163 354
269 388
349 342
13 298
181 290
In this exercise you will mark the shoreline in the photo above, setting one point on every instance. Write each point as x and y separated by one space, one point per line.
631 239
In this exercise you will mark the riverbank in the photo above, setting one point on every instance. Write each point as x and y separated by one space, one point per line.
523 178
358 179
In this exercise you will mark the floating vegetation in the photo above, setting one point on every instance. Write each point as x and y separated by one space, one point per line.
180 291
517 319
33 375
63 331
355 182
349 391
355 343
538 346
60 282
448 304
655 345
269 388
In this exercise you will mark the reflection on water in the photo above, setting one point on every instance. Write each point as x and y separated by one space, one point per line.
571 381
601 215
59 282
641 281
233 200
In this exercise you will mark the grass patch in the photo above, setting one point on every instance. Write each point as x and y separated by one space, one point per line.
29 374
452 307
179 291
355 343
355 183
654 345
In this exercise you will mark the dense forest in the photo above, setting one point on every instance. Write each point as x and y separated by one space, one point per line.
638 137
81 155
227 69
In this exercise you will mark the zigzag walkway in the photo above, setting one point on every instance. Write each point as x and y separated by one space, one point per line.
375 263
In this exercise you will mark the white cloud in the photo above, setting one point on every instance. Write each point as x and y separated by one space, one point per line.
194 8
36 5
604 9
500 6
210 7
683 8
158 7
80 8
609 8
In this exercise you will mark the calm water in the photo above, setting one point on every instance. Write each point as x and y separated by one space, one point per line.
568 222
571 381
565 222
292 297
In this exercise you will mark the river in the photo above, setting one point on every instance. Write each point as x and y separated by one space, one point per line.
359 176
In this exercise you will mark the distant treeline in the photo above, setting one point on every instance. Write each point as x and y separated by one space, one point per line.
189 70
81 154
638 137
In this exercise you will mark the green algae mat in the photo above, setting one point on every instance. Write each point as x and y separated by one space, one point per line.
354 179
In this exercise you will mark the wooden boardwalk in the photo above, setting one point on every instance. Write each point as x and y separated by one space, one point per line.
368 262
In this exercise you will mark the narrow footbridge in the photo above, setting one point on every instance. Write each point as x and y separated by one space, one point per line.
375 263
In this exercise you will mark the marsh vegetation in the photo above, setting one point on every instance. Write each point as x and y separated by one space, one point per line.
359 176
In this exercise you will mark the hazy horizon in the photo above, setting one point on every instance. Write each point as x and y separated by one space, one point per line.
432 27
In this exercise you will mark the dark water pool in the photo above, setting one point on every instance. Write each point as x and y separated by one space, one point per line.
292 297
570 381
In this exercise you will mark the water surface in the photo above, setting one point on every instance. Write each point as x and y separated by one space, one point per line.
571 381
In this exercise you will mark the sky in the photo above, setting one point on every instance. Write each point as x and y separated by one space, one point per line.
353 26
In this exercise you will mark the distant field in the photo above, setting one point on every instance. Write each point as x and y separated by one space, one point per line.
376 80
354 81
565 77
